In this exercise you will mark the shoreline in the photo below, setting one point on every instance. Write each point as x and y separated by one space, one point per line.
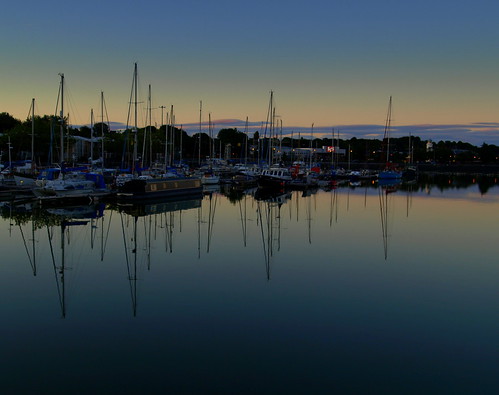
456 169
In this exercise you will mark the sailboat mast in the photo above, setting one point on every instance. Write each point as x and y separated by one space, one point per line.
334 149
32 133
311 149
150 127
280 140
102 128
387 129
271 134
410 149
135 139
144 143
172 150
246 142
91 138
180 147
61 160
200 112
162 123
209 132
10 155
172 121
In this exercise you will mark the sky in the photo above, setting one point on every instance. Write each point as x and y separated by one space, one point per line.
330 63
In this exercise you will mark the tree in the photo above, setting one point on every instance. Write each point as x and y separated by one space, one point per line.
7 122
233 137
85 131
99 126
488 153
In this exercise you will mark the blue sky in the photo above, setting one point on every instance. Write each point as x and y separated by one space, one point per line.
330 63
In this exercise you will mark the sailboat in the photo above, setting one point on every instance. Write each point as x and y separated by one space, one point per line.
209 177
66 182
26 175
275 176
389 172
138 187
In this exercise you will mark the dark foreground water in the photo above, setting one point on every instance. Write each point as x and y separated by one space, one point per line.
355 290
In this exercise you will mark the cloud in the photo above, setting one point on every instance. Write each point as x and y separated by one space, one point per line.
475 133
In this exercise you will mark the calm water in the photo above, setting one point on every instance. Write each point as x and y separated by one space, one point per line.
354 290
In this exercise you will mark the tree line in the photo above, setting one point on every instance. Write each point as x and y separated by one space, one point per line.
229 143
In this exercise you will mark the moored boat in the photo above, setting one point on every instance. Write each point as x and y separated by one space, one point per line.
153 188
274 178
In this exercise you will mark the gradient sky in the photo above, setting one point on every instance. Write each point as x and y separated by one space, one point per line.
331 63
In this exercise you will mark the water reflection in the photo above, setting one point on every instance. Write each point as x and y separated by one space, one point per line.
185 285
221 223
269 218
385 190
59 224
139 225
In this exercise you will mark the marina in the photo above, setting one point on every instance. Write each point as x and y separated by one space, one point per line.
288 198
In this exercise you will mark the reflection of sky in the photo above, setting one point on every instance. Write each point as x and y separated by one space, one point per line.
333 307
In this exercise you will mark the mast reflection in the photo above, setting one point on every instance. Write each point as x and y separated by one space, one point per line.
385 189
269 203
136 243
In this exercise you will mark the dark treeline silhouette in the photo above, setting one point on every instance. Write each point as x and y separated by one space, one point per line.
229 143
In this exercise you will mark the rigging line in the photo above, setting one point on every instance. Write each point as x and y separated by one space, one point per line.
270 226
77 261
200 214
263 234
331 210
155 227
148 238
58 99
172 226
124 242
93 234
71 103
270 238
130 278
211 222
167 233
383 222
133 289
127 131
30 108
279 230
27 251
242 222
107 234
55 268
107 115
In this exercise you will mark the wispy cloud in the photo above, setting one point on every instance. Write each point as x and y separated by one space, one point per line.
475 133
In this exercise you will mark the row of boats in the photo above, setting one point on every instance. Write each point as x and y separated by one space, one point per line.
77 183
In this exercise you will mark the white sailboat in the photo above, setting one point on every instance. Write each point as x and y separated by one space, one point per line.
63 183
389 172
